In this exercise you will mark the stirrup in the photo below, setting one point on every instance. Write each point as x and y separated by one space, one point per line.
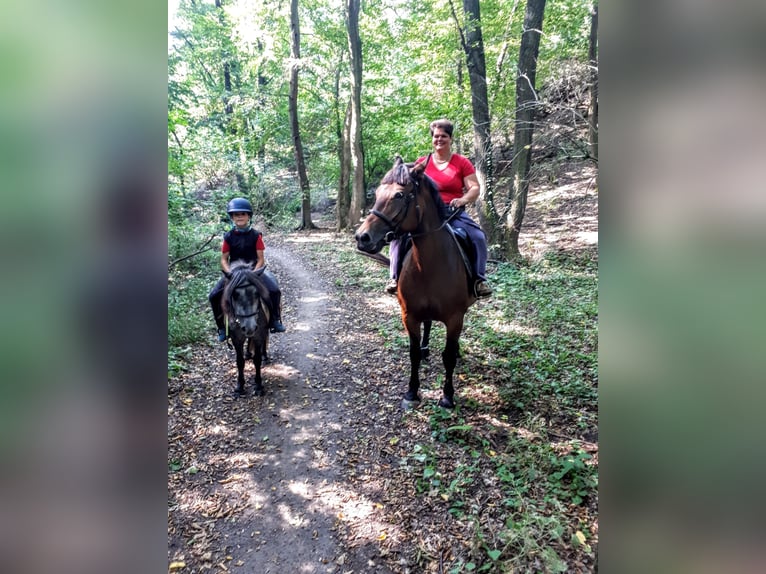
221 335
482 289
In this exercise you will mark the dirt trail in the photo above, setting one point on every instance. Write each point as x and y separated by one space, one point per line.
271 461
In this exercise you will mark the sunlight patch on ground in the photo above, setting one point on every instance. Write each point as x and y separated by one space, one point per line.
294 519
589 237
283 371
384 302
512 328
217 429
314 238
358 512
315 299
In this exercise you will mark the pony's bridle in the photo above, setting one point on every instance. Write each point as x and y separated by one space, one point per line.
393 224
256 312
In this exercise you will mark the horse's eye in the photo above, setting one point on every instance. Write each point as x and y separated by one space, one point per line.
398 195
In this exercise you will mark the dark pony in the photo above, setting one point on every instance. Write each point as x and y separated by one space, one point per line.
246 308
433 282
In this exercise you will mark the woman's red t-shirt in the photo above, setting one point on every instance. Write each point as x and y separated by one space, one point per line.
450 181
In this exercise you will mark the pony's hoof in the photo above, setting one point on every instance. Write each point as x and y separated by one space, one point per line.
408 405
239 392
446 403
259 392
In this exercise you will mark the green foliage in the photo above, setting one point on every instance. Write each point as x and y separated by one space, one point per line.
528 357
414 70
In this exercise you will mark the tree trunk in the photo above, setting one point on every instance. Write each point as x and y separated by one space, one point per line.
473 45
295 57
593 108
344 185
236 152
526 104
358 197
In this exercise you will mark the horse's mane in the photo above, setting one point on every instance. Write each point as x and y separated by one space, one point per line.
241 273
401 174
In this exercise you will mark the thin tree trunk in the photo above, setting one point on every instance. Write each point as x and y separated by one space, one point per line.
526 104
358 198
295 57
233 141
344 184
593 108
473 45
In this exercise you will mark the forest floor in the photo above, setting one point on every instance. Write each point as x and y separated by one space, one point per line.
304 479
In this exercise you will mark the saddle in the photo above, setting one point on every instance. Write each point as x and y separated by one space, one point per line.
464 245
468 252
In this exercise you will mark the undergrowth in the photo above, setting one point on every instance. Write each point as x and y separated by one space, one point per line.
526 419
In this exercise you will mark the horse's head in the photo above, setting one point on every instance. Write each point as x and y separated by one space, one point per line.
396 210
243 297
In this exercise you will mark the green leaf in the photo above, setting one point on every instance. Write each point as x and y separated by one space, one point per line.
494 554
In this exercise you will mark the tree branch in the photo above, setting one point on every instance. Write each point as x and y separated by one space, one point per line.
200 250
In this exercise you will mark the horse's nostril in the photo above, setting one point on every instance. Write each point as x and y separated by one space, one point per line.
363 238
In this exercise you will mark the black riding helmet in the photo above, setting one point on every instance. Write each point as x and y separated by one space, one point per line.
239 204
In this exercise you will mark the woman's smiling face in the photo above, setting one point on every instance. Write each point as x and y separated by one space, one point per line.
441 140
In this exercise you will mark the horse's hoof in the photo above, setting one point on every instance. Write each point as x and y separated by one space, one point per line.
446 403
259 392
239 392
408 405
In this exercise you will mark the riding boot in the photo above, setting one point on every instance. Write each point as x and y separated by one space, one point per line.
215 304
219 323
276 313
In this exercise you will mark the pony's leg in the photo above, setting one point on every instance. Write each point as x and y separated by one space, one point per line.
258 360
449 358
265 349
240 367
424 350
412 397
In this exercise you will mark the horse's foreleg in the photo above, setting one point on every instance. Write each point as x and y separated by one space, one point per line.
424 351
449 358
412 397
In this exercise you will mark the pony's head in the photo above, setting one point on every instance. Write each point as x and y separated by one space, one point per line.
244 297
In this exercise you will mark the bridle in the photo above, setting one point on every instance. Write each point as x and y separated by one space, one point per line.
238 317
394 222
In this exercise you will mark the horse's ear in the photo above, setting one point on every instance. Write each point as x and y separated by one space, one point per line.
398 160
418 169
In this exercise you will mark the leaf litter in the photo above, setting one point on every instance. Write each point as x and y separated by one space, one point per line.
320 475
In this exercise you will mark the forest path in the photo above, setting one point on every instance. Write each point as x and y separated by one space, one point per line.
268 464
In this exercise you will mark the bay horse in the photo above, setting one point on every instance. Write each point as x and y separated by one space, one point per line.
246 309
433 282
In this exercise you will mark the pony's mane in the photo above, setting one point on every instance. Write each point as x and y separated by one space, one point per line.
400 175
241 273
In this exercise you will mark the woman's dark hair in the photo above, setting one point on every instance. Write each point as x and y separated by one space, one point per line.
443 124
